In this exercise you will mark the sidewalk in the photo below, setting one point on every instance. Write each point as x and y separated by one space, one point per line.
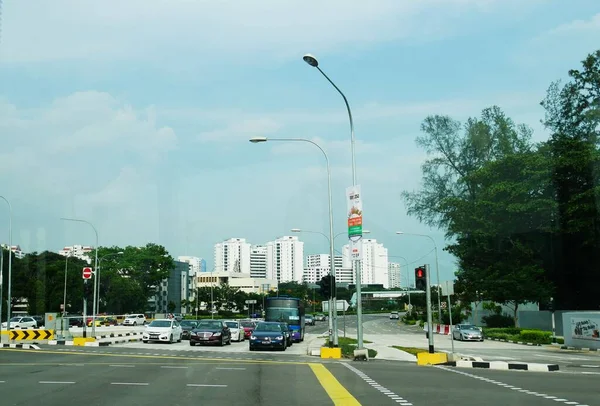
383 345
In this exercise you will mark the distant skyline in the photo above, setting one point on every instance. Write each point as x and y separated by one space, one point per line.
136 115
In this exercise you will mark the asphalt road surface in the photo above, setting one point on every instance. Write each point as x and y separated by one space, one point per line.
115 377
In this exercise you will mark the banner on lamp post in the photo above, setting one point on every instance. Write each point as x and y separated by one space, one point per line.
355 219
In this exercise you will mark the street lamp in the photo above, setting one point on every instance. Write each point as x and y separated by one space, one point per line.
437 268
9 268
312 61
94 304
332 312
112 254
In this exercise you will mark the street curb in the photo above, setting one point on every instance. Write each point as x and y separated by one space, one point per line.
21 346
111 335
504 366
96 343
514 342
568 347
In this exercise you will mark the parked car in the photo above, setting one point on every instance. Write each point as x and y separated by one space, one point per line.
309 320
237 331
249 327
320 317
467 332
21 322
187 326
164 330
210 332
134 320
267 335
394 316
285 329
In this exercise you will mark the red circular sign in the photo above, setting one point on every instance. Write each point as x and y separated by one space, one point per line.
87 273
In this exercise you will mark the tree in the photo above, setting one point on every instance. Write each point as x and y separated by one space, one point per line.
573 116
171 306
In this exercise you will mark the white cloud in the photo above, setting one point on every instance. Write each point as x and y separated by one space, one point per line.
246 128
210 30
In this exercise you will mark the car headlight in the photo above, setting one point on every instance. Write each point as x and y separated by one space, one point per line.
253 337
279 338
216 334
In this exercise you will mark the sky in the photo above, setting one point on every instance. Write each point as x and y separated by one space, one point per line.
136 116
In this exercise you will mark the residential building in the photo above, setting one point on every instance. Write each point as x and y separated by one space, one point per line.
394 275
83 252
175 288
232 255
197 264
374 262
16 250
258 261
317 266
285 259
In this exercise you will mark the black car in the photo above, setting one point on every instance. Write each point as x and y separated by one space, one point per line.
285 329
268 335
187 326
210 332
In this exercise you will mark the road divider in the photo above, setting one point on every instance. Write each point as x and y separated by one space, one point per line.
505 366
437 358
21 346
112 335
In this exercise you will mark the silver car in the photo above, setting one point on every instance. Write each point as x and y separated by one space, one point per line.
467 332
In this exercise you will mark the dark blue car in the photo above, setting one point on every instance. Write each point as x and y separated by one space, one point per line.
268 335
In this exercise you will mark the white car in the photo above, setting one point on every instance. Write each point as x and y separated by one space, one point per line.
163 330
134 320
237 331
394 316
21 322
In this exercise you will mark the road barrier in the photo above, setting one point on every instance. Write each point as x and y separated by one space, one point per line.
31 334
20 346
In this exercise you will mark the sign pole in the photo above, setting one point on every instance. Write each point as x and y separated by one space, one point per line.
450 315
429 315
85 282
355 232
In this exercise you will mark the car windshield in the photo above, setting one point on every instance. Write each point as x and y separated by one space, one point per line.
188 323
268 327
15 319
247 324
213 325
160 323
468 327
232 324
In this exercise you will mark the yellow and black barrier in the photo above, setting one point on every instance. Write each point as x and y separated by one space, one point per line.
31 334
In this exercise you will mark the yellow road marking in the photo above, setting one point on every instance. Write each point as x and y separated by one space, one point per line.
336 391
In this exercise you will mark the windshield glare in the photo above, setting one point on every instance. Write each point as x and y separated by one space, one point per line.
210 325
160 323
268 327
290 316
232 324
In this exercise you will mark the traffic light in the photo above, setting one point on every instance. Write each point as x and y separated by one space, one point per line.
420 278
326 284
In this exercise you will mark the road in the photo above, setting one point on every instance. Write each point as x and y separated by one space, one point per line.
117 376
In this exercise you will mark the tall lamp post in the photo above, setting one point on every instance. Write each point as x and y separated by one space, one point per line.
332 312
94 302
8 292
437 269
312 61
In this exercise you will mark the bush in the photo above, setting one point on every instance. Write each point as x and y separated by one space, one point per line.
536 336
506 330
498 321
560 340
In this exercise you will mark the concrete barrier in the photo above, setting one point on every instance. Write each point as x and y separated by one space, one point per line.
505 366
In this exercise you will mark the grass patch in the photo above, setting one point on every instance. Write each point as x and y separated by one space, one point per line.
348 345
411 350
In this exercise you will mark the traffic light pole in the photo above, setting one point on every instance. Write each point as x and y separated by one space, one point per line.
429 315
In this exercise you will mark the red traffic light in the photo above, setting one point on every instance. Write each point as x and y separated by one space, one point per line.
420 273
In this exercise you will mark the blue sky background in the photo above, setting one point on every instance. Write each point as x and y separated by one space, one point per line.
135 115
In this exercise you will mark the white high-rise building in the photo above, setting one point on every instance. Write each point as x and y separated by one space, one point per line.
317 266
285 259
78 251
374 263
258 261
394 275
194 262
233 255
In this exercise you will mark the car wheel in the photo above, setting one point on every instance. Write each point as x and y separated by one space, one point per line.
251 348
222 342
171 339
180 338
135 322
229 341
192 344
145 342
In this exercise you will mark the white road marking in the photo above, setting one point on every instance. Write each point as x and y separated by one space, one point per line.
377 386
122 366
130 383
590 366
200 385
545 396
173 367
56 382
233 369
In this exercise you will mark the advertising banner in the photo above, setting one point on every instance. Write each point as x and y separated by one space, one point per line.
355 221
585 328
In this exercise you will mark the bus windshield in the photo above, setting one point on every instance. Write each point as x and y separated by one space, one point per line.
285 315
